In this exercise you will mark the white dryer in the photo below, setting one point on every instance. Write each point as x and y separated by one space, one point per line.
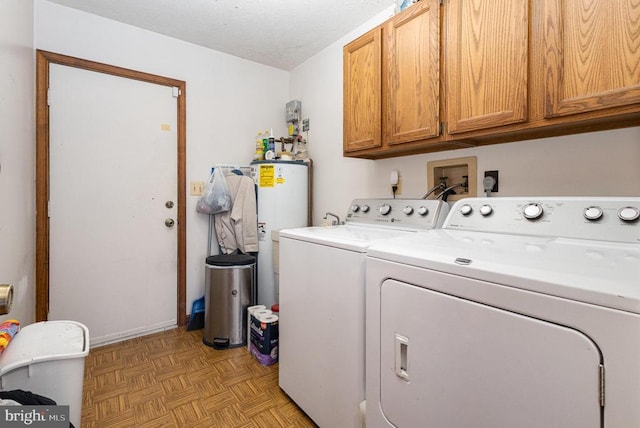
322 301
519 312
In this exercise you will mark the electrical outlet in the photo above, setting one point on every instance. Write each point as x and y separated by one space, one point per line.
393 179
493 174
305 124
196 188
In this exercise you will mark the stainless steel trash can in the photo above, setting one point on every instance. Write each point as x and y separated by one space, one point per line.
229 291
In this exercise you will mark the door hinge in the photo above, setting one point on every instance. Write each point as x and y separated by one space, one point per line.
49 208
48 96
441 128
441 2
601 385
176 92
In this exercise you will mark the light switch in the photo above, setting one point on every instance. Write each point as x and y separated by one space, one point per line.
196 188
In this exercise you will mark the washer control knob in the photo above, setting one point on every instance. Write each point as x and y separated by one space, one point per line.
408 210
355 208
628 213
385 209
532 211
423 211
592 213
365 208
466 209
485 210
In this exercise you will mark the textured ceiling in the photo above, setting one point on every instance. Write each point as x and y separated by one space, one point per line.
279 33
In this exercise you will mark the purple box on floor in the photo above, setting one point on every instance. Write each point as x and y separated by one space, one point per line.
264 339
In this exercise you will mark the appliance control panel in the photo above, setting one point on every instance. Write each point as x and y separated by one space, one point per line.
420 214
598 218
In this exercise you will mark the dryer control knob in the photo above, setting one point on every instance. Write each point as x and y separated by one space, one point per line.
485 210
365 208
532 211
592 213
355 208
408 210
628 213
466 209
423 211
385 209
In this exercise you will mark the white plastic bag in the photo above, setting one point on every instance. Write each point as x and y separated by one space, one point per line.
216 197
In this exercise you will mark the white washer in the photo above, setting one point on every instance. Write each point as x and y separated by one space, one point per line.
517 313
322 280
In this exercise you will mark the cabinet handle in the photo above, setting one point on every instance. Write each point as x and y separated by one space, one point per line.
402 357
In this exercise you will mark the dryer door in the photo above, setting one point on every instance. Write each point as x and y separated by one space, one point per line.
450 362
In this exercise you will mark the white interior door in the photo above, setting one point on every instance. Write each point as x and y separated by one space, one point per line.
113 161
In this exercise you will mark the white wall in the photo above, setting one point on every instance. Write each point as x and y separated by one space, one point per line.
17 158
592 164
228 99
317 83
600 163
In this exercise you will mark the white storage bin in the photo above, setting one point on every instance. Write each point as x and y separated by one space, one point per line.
47 358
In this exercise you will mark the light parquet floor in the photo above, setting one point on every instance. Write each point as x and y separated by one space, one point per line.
171 379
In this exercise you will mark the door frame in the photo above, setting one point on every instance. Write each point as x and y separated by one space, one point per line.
43 59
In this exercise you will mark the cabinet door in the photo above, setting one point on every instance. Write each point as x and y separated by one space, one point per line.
592 55
411 77
362 87
486 63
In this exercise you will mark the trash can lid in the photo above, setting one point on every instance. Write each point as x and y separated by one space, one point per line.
45 341
231 260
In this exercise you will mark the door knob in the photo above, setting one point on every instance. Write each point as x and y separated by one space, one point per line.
168 204
169 222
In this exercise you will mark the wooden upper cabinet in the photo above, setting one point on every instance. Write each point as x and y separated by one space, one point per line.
362 92
411 74
592 55
491 71
486 63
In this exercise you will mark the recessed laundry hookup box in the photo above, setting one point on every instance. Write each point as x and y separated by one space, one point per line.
264 338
